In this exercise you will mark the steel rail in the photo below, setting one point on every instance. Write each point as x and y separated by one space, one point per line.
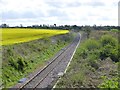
25 84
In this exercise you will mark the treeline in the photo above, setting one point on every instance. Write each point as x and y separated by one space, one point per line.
66 27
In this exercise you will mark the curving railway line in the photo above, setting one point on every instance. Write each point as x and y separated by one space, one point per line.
47 77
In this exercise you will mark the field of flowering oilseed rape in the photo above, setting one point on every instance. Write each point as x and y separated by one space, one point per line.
18 35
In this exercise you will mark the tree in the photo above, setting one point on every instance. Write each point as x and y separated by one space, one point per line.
87 29
21 25
54 25
4 25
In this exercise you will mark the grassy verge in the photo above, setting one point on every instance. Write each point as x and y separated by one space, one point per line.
95 63
21 59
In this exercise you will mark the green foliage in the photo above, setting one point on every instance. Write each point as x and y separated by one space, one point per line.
109 84
83 52
115 55
108 39
91 44
87 62
10 52
114 30
92 61
87 29
89 47
105 51
21 64
18 64
13 63
109 48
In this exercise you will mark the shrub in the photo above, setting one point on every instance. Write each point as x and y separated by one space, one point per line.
10 52
109 83
105 51
91 44
114 55
83 52
108 39
21 63
92 61
109 48
13 63
109 51
89 47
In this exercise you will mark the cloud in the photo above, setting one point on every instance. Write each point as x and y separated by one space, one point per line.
95 4
55 4
74 4
61 4
19 15
10 15
78 12
56 13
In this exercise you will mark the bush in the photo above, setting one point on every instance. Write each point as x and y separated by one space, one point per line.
83 52
92 61
114 55
109 83
105 51
91 44
89 47
13 63
10 52
109 48
108 40
109 51
21 64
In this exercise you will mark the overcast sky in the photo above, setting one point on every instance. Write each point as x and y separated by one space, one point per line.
60 12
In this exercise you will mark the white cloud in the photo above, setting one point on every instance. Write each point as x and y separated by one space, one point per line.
80 12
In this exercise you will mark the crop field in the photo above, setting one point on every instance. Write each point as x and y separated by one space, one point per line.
17 35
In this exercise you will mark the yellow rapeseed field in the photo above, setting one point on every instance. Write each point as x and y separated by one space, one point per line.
18 35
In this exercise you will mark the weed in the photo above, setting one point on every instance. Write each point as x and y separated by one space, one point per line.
109 83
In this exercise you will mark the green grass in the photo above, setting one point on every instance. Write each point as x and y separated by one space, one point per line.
115 30
109 83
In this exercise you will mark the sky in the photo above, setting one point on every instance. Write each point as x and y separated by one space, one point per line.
60 12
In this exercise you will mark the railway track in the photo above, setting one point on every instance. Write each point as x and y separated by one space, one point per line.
37 81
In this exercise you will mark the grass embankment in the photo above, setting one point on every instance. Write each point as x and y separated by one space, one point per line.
95 63
21 59
19 35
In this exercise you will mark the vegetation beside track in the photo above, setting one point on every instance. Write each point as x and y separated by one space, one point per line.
95 63
19 60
